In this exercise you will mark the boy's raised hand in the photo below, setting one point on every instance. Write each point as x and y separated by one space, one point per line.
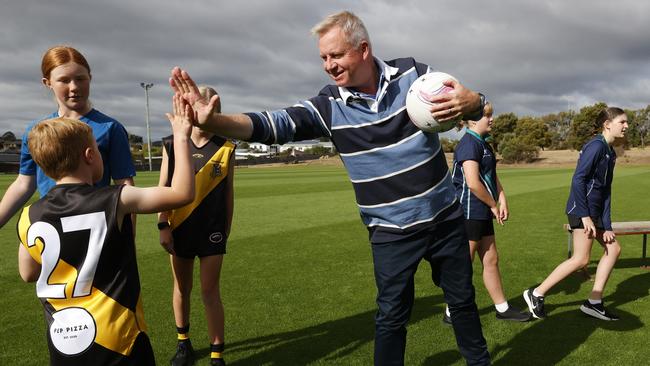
182 116
182 84
181 191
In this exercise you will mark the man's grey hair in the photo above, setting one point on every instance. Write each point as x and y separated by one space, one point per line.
351 25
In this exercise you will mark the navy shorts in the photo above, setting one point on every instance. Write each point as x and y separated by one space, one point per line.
214 245
141 353
575 222
477 229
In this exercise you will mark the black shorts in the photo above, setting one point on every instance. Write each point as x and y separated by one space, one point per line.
575 222
141 353
215 245
477 229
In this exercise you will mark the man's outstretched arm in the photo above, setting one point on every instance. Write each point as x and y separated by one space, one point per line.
238 126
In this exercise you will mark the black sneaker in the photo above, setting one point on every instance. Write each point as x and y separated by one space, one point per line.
446 319
514 314
597 311
535 304
217 362
184 354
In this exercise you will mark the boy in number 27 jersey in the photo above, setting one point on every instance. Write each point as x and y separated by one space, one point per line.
77 244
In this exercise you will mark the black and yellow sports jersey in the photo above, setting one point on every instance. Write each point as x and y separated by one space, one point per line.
199 228
89 283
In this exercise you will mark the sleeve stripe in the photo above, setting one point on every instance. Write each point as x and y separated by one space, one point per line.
269 120
320 118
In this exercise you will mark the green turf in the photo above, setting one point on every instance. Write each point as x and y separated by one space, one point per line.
298 288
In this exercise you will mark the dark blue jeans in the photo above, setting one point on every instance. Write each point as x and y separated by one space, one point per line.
446 248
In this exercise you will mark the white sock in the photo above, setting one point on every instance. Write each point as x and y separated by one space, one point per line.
595 302
537 294
502 307
447 311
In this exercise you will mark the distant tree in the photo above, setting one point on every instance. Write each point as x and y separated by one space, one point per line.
532 131
639 122
135 139
318 150
448 145
137 156
8 136
155 150
583 127
559 125
515 150
503 124
288 152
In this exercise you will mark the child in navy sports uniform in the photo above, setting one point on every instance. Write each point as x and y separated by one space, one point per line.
589 214
483 199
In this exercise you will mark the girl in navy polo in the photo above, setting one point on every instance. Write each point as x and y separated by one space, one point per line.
483 199
588 211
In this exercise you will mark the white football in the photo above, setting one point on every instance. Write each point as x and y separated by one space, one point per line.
418 105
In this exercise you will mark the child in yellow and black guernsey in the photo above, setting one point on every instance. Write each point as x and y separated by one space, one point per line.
199 229
77 244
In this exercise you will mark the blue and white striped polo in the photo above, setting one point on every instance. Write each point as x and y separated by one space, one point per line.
399 173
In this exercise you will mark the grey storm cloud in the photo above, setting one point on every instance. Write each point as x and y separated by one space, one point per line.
529 57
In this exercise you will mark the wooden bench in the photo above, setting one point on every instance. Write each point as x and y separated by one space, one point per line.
622 228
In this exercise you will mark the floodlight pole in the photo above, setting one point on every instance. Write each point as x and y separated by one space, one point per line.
146 87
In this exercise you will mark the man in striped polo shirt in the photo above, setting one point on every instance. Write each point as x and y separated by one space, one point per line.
400 176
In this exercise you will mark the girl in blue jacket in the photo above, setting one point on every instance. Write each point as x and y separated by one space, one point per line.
589 213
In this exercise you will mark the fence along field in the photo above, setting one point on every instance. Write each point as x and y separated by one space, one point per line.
298 287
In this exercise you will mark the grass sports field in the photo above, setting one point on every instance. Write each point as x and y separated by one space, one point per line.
298 287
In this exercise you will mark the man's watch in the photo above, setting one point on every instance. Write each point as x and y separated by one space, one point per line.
478 113
163 225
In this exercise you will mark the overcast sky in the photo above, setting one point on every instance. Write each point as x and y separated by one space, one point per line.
528 57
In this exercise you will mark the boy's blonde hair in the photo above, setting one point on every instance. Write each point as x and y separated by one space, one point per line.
58 144
208 92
